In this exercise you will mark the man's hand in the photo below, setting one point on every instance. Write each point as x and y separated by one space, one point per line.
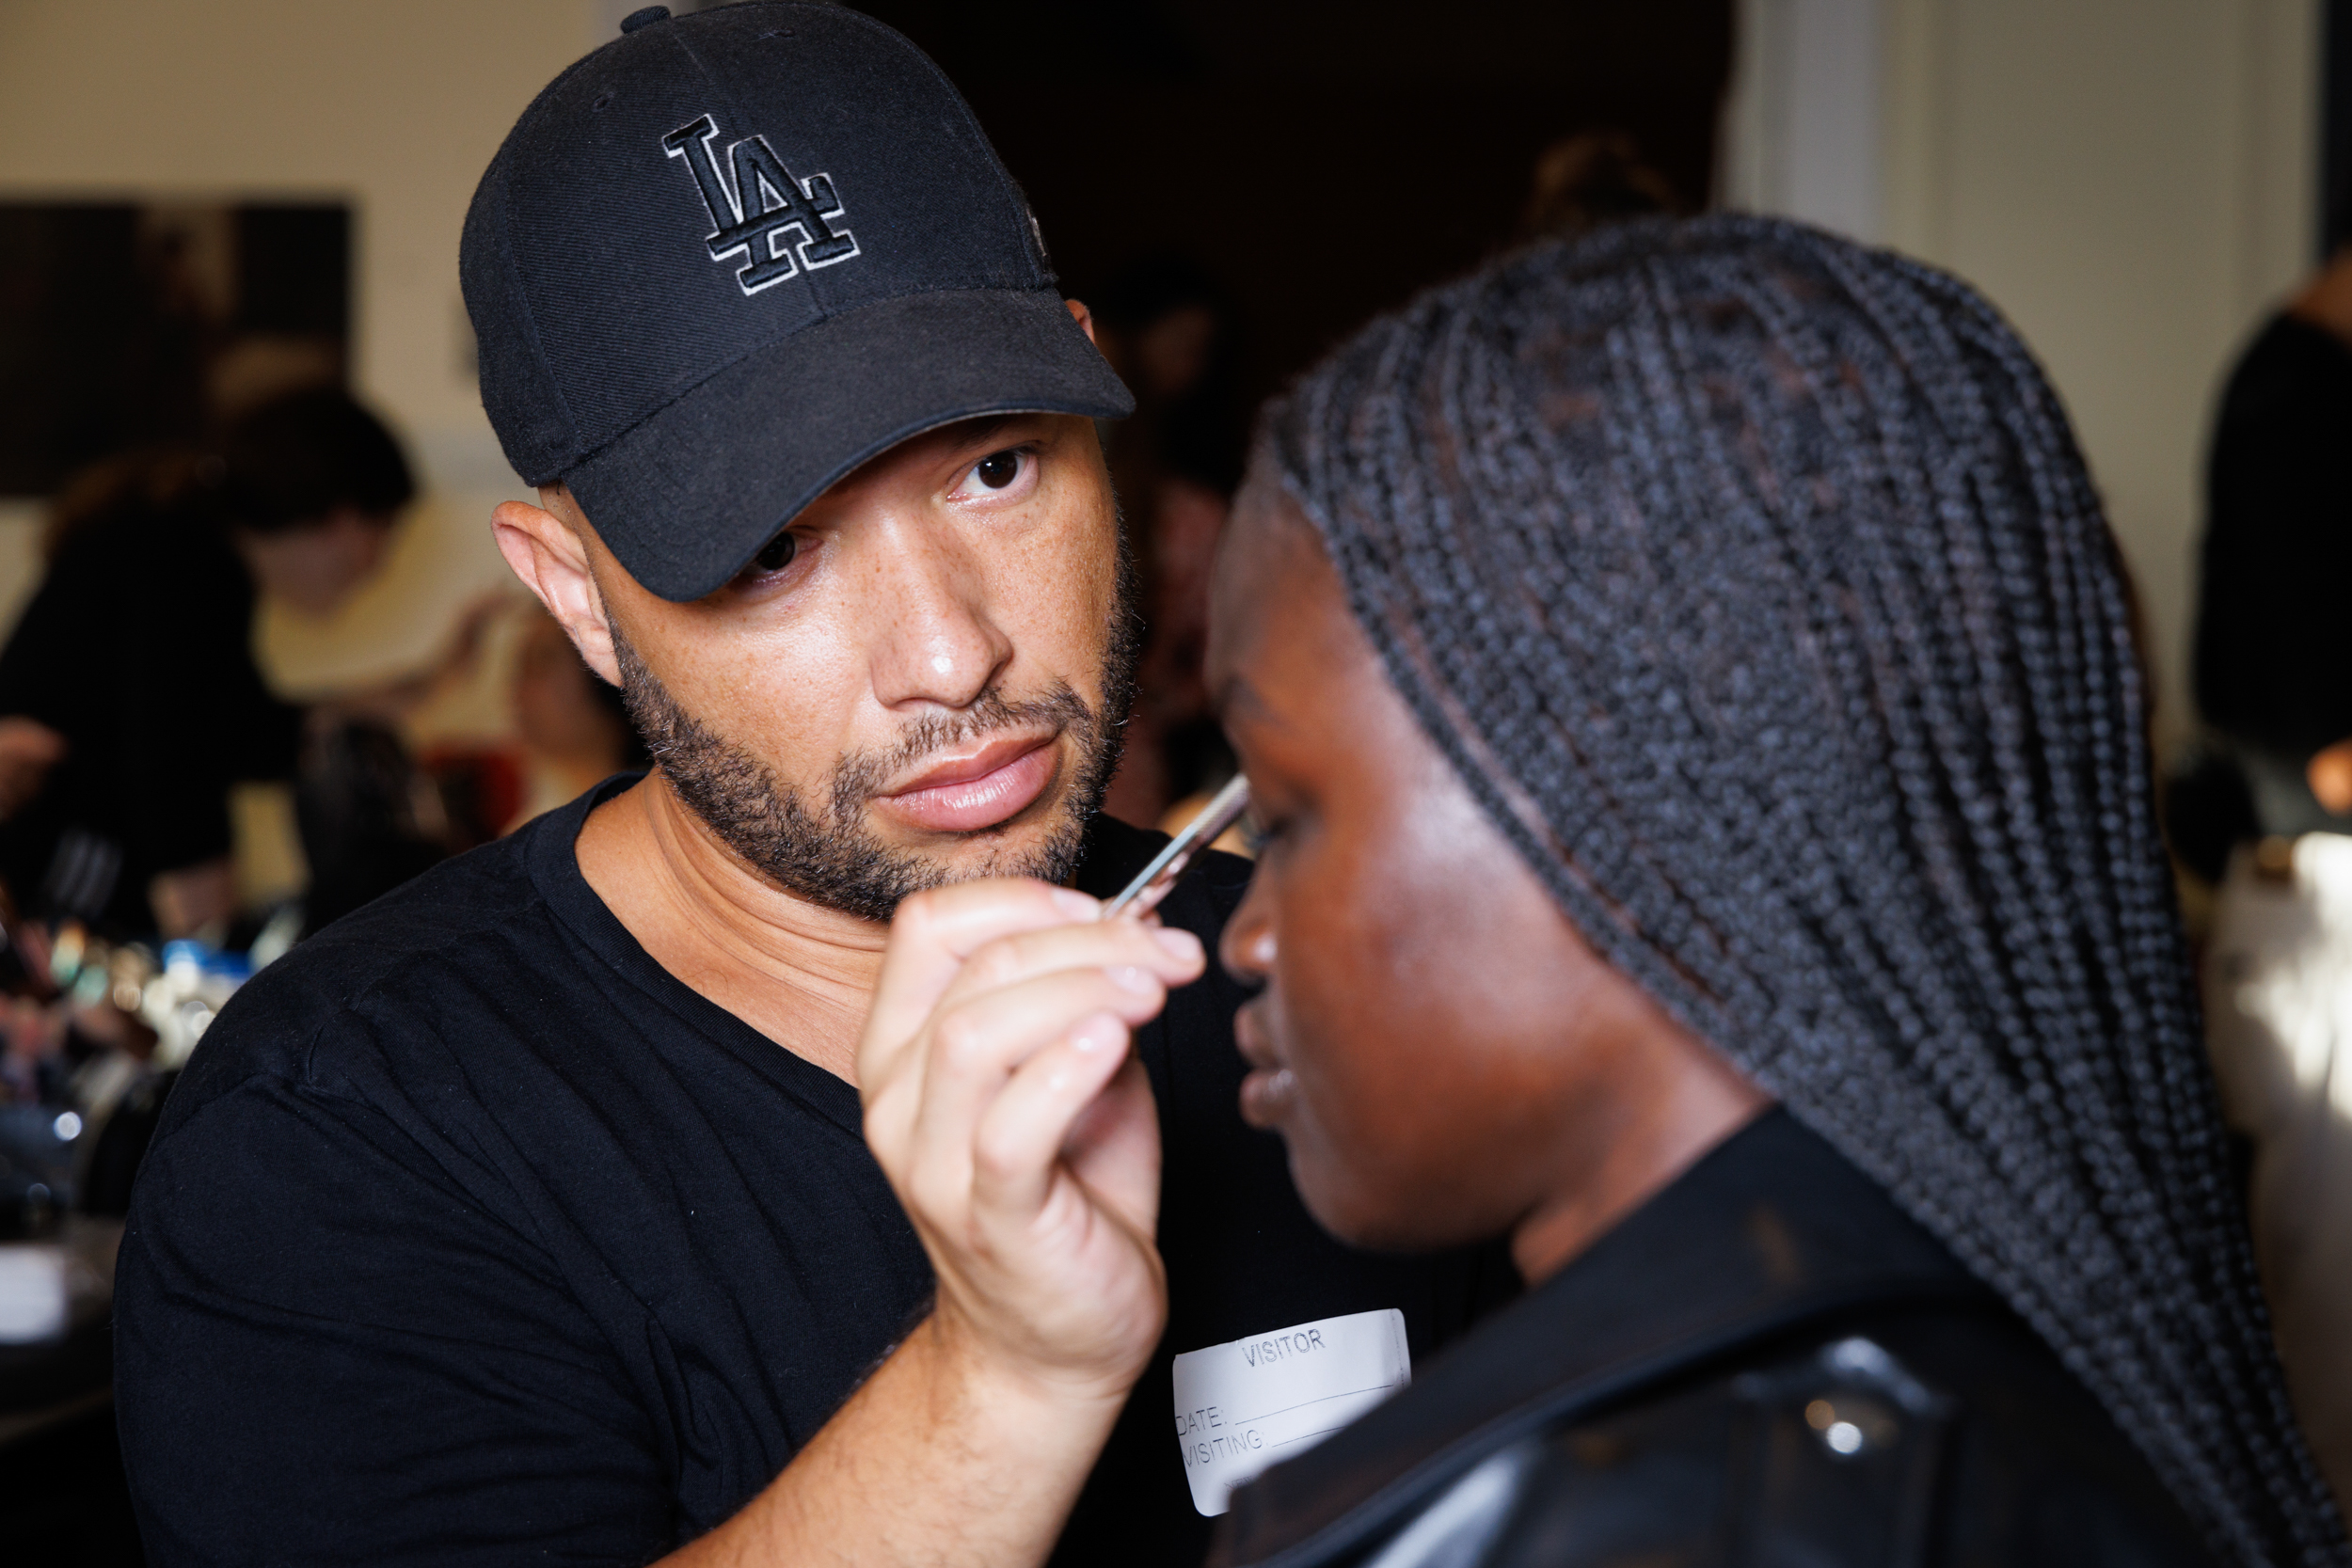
1020 1137
1018 1131
28 749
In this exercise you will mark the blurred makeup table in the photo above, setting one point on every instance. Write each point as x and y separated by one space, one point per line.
57 1330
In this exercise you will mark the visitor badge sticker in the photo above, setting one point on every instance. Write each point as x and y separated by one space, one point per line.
1257 1401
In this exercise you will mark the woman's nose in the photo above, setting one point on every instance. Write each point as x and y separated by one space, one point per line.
1247 946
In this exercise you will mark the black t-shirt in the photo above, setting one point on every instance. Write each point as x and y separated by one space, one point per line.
470 1234
138 648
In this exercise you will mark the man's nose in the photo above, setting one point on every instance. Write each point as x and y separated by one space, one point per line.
938 641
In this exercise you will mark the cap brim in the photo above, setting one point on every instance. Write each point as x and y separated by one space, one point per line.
687 498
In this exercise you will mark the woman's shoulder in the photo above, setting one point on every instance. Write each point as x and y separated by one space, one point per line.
1948 1433
1944 1434
1770 1360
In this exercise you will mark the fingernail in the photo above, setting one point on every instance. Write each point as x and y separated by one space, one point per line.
1132 979
1076 905
1177 943
1100 1032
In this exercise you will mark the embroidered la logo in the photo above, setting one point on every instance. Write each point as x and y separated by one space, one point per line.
752 215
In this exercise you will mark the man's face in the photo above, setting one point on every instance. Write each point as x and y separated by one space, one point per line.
921 681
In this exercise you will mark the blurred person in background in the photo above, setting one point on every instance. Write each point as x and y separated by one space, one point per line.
2270 667
1168 329
369 818
1590 179
129 699
2272 822
573 726
1694 722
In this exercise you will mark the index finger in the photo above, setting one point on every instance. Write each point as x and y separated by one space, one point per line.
935 931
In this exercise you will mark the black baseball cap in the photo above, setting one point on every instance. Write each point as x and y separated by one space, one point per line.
728 257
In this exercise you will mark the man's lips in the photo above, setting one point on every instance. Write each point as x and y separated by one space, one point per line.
962 795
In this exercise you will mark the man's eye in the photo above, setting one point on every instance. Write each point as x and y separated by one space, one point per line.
997 469
775 555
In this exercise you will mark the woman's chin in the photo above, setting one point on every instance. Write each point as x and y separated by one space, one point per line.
1361 1202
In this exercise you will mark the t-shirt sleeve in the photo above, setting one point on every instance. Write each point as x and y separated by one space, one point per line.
329 1351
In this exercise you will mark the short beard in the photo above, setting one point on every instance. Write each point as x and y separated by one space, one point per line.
825 852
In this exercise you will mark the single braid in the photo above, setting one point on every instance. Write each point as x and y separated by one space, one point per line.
1754 583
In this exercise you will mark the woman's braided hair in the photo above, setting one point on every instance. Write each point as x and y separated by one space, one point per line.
1753 582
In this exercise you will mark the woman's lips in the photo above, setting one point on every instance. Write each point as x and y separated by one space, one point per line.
993 784
1269 1090
1266 1098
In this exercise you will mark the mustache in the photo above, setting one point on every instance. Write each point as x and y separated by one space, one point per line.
858 777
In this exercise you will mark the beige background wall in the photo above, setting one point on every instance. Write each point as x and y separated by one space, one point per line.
2133 182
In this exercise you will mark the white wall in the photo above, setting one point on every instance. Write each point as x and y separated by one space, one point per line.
1802 129
2133 182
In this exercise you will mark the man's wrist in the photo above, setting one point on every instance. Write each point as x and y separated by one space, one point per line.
966 1363
953 1452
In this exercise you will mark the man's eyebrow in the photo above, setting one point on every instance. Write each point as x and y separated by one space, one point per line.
967 434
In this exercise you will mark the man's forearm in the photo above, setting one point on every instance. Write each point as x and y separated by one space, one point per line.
939 1459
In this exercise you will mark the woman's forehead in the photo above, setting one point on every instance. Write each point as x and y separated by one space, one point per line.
1271 578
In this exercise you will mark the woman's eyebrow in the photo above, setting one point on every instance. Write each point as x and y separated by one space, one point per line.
1236 697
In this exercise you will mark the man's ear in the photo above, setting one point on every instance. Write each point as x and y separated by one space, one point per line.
551 558
1085 319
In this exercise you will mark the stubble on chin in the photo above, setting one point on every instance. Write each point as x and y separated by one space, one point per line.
822 847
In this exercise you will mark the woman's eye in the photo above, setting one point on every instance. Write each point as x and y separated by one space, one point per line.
997 469
775 555
1256 833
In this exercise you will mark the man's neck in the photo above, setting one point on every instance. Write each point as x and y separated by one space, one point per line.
799 974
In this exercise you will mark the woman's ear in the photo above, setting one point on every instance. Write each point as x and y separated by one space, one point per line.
548 552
